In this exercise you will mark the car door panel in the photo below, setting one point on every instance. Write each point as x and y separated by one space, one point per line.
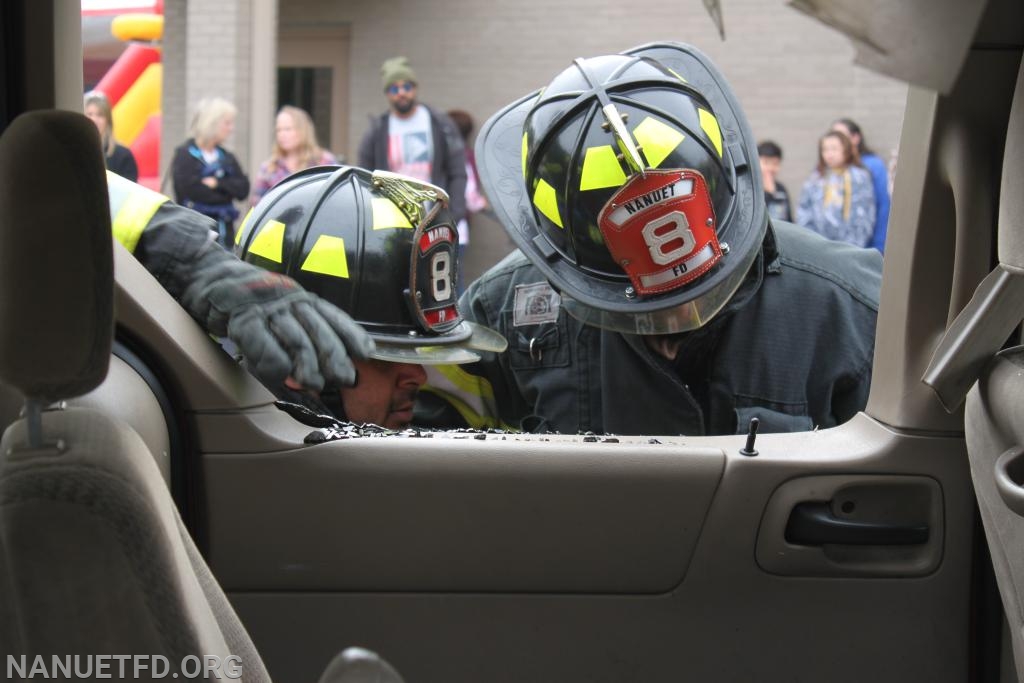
449 615
561 558
457 514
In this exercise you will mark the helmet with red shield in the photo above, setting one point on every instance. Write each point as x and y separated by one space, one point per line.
636 191
380 246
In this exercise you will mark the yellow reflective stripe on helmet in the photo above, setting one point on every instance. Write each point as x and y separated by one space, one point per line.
132 207
544 198
387 215
676 74
601 169
525 144
472 396
269 241
657 140
710 125
242 228
327 257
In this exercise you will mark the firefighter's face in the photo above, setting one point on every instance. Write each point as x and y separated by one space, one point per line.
384 394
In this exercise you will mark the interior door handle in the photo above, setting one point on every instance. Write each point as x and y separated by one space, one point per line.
1009 473
814 524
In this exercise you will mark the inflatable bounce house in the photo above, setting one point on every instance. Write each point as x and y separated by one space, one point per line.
133 82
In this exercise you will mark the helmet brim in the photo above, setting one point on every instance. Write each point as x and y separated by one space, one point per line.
500 165
441 349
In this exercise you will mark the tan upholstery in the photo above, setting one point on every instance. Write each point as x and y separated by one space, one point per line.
56 256
997 307
93 555
994 414
96 554
994 425
124 394
1011 199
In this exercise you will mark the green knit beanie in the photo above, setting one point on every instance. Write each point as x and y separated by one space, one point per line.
396 69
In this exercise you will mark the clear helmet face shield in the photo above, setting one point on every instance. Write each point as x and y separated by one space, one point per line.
636 192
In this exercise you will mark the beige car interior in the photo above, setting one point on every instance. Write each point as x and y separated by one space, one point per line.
88 526
175 495
995 406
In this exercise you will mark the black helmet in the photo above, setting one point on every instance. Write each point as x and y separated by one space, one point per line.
381 247
637 191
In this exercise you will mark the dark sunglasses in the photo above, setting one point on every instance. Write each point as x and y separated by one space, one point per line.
396 88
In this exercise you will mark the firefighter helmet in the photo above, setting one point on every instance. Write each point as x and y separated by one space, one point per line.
636 190
380 246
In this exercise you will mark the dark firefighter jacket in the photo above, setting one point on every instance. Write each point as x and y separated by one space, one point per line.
793 347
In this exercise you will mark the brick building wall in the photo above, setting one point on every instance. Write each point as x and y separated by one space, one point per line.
207 53
173 122
792 74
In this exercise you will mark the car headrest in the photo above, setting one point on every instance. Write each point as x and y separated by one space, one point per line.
56 257
1011 199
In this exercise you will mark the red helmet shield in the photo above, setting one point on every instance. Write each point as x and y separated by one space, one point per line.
660 227
433 276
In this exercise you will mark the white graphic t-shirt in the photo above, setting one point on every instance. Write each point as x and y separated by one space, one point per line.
410 145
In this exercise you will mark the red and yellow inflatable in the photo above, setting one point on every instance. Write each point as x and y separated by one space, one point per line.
133 85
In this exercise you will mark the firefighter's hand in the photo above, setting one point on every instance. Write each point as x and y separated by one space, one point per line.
281 329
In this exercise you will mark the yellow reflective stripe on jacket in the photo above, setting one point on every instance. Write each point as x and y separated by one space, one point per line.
131 209
470 395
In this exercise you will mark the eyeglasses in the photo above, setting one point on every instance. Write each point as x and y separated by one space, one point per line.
396 88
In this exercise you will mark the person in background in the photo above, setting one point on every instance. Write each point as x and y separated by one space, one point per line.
119 158
475 200
775 194
837 200
879 179
415 139
207 177
295 148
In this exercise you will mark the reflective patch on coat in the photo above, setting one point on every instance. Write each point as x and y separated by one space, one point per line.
535 303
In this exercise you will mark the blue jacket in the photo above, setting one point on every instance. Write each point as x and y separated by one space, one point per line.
880 180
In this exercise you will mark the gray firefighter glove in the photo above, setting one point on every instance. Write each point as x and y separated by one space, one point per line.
281 329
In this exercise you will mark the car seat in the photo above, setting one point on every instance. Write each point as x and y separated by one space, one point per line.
968 361
94 558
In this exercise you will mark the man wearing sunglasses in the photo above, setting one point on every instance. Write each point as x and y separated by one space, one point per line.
415 139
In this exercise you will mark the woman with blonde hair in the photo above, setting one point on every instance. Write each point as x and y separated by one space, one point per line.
207 177
295 148
837 200
119 158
